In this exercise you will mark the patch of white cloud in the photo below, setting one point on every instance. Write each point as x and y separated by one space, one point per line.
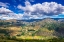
8 14
27 3
5 10
4 4
11 16
40 10
30 0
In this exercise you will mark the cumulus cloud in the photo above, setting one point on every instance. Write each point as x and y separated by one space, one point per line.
11 16
8 14
16 16
41 9
5 11
46 8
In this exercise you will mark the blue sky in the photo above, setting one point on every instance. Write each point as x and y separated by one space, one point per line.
31 9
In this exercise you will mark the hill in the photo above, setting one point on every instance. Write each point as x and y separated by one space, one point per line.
46 28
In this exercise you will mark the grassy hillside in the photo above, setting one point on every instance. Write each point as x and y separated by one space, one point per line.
45 30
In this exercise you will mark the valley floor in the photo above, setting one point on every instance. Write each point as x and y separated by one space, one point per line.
31 39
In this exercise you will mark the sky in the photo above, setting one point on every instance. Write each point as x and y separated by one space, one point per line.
31 9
